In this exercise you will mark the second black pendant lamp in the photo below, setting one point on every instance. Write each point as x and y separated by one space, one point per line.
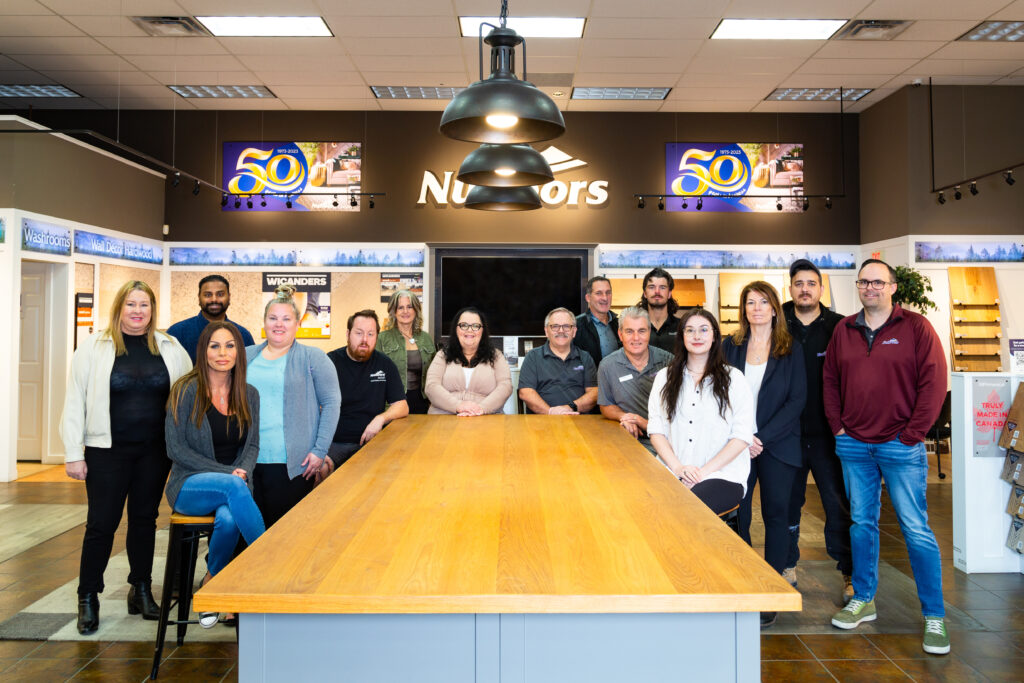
502 109
505 166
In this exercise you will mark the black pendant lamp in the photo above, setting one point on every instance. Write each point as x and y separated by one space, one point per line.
486 198
505 166
502 109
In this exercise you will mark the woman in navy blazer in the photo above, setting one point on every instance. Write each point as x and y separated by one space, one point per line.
773 364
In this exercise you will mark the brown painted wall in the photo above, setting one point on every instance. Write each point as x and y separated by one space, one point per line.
977 130
627 149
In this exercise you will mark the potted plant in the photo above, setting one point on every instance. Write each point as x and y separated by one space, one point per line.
912 289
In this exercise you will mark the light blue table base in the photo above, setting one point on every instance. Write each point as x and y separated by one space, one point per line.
499 648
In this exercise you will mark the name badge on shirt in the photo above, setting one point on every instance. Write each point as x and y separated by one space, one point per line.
578 367
625 378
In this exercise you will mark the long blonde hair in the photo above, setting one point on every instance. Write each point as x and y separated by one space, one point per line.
392 322
113 331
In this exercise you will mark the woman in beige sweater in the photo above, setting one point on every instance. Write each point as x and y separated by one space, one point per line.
468 376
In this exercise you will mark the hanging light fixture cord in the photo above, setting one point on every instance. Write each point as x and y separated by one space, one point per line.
504 13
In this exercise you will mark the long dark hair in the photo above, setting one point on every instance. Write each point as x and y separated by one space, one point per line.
781 339
238 403
485 353
716 367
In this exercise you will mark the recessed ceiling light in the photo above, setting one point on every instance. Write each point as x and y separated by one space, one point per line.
269 27
817 94
996 31
229 91
528 27
873 29
413 92
777 29
620 93
36 91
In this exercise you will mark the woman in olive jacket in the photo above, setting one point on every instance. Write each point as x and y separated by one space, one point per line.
409 347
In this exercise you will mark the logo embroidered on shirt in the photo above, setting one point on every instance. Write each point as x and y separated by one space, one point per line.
821 355
894 340
378 376
578 367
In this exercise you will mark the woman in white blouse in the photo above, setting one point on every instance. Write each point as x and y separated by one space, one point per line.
468 377
701 415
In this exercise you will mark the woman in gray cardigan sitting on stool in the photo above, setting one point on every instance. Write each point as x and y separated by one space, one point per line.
213 438
300 402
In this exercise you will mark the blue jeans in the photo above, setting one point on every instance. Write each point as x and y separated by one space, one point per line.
905 470
228 497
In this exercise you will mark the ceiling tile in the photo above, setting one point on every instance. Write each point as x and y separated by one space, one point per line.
412 105
609 47
151 45
132 77
417 27
629 65
677 9
283 47
356 45
796 9
931 9
128 8
424 63
397 8
797 107
75 62
125 91
308 77
699 106
732 49
51 46
253 8
860 66
171 102
51 103
912 76
968 67
100 25
448 80
299 103
1010 80
523 8
187 63
1012 12
8 63
206 78
935 30
14 7
547 65
665 29
28 26
992 51
717 94
235 103
870 49
323 92
322 66
833 81
615 105
25 77
751 65
617 80
739 81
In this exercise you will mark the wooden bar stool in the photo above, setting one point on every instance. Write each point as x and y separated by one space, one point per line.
732 518
182 552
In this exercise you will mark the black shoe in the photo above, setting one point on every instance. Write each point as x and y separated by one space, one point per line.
768 619
88 613
140 600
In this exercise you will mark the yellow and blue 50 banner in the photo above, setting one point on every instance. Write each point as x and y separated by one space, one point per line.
733 176
314 176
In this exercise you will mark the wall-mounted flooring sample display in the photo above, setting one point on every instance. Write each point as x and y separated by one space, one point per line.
976 322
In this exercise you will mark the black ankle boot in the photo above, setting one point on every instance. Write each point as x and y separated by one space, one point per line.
88 613
140 600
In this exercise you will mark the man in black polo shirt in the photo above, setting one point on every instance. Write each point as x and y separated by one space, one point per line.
371 391
662 308
558 378
812 325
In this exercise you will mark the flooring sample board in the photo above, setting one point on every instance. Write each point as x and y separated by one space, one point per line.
975 320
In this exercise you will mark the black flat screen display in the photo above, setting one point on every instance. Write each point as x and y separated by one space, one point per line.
514 292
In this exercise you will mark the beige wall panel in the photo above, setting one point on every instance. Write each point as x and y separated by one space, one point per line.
83 278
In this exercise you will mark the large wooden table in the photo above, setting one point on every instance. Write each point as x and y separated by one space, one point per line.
499 548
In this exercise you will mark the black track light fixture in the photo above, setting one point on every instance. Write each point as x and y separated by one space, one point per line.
807 204
371 204
176 179
224 199
700 203
195 188
248 202
1008 177
335 202
238 202
957 194
942 198
661 203
778 204
288 202
974 188
685 205
263 200
640 203
828 202
352 201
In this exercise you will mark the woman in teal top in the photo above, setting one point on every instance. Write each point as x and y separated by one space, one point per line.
299 406
408 346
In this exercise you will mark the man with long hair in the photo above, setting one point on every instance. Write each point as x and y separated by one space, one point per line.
661 307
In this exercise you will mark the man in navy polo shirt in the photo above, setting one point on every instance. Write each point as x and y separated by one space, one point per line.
214 299
558 378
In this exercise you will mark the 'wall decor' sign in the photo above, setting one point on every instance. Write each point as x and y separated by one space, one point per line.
734 176
114 247
45 238
313 176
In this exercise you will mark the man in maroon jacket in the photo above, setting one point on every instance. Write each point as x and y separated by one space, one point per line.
885 381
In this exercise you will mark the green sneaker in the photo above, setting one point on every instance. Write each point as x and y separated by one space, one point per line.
854 614
936 639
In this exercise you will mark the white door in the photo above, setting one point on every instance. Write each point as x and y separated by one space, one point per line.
32 361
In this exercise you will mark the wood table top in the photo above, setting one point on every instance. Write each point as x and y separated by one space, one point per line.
499 514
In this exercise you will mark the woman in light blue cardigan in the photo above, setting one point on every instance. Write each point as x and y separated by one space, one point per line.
299 406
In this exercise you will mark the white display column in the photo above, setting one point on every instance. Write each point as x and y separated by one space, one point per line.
10 288
980 522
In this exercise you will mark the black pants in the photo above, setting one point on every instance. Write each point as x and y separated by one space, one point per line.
718 494
776 486
340 453
820 458
134 473
275 493
417 404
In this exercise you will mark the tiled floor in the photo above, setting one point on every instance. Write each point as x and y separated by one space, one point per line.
996 600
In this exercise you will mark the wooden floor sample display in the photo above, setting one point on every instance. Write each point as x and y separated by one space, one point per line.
687 292
975 320
499 514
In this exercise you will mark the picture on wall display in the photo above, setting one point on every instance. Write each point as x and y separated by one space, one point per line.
312 297
734 176
392 282
314 176
722 258
970 252
3 230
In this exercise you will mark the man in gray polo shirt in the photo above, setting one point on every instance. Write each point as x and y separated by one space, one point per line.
625 377
558 378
